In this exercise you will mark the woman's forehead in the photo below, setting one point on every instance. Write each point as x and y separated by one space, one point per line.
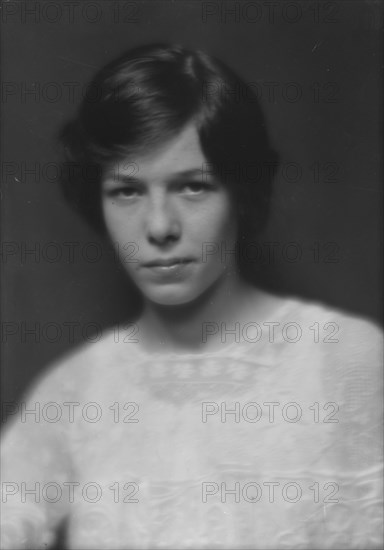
180 154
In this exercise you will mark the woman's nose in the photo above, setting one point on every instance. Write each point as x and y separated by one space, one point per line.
163 223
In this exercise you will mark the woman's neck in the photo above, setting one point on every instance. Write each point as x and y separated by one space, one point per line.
197 325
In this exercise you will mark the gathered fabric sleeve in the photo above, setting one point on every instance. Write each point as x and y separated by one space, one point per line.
35 468
354 375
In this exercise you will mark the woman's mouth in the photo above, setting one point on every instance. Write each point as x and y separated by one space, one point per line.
167 262
172 266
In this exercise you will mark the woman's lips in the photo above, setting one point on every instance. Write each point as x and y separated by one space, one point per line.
172 269
162 262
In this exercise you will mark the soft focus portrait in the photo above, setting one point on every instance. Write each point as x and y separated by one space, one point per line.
207 408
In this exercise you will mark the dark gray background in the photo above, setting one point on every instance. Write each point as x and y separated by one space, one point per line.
331 42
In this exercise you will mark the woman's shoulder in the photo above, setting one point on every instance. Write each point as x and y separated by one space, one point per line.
298 331
337 353
350 328
346 346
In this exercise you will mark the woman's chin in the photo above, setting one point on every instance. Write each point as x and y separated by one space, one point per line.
171 295
172 300
181 292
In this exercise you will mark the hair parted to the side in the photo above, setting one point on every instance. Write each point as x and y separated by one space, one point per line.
148 95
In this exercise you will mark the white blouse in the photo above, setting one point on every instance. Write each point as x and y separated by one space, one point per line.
272 441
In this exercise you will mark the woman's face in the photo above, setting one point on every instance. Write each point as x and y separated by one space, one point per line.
174 224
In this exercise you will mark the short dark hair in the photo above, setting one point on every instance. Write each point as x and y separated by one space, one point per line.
149 94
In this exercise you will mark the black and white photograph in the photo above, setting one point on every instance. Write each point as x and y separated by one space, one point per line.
191 261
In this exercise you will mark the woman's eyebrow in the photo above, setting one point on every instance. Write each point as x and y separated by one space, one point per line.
122 178
174 177
193 172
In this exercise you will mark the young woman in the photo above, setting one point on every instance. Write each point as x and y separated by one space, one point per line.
223 416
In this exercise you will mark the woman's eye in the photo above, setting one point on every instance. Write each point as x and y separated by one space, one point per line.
124 193
195 187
